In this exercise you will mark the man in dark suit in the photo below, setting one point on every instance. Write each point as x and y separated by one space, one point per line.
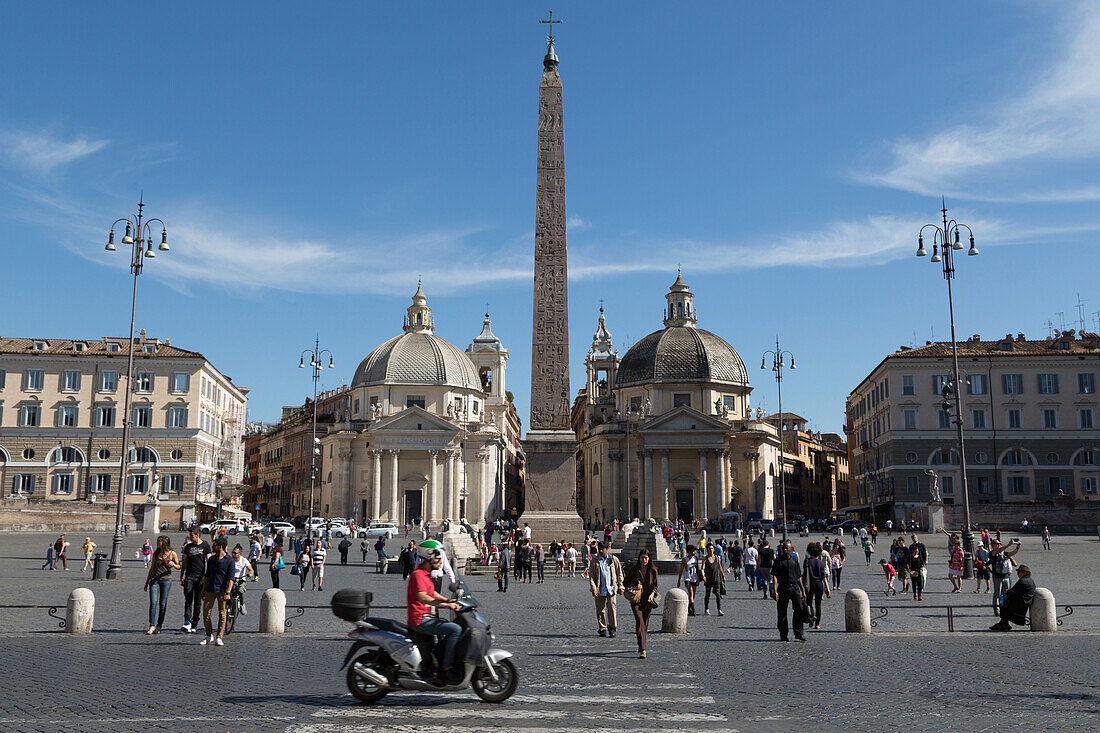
1017 602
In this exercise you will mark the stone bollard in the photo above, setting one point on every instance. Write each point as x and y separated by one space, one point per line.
273 612
674 618
857 612
1044 612
80 611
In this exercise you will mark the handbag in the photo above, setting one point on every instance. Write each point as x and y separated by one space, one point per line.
654 599
633 593
296 570
280 565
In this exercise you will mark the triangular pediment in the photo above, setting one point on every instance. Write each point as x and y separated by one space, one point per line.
414 419
684 418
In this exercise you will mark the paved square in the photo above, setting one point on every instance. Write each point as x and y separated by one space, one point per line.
729 673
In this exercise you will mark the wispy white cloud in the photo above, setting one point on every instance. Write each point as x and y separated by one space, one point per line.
42 152
576 222
1011 152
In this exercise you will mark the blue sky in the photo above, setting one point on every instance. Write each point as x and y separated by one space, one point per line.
312 161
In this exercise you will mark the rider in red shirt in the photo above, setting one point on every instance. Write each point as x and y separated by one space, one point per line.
420 595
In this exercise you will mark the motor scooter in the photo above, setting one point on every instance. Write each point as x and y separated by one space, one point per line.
388 655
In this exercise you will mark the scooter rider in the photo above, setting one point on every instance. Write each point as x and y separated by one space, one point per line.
422 594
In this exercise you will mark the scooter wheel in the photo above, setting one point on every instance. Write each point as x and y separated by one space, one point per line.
501 689
360 687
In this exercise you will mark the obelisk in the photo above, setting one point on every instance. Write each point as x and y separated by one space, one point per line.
550 491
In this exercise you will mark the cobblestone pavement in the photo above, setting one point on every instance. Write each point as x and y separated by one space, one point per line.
729 673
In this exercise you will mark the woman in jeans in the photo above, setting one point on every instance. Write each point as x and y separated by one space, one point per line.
714 577
836 562
540 559
159 581
814 574
916 562
304 561
643 573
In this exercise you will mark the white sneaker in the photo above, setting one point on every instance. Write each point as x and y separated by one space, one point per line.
207 640
219 642
186 628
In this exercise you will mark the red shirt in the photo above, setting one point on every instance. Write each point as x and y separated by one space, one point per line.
891 573
420 580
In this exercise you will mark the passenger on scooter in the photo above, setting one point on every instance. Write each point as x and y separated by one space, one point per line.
422 594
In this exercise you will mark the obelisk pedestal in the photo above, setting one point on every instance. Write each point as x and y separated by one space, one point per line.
550 491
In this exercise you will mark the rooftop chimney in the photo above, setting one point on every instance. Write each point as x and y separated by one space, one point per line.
977 338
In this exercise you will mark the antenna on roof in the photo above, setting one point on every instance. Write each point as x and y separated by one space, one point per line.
1050 328
1080 313
1061 320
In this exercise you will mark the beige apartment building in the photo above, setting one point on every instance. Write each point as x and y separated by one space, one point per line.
61 405
1030 416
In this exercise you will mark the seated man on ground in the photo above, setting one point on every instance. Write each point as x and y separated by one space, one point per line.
1017 602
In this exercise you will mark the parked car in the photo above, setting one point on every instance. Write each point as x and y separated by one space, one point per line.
845 527
340 529
231 526
379 529
275 528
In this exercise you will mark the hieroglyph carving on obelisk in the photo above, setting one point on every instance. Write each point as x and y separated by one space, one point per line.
550 403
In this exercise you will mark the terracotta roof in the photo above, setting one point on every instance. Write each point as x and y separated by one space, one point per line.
1069 344
98 347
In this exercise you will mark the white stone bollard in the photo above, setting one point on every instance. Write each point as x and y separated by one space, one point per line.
1044 611
674 617
857 612
80 611
273 611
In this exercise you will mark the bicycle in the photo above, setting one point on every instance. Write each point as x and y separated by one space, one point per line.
234 607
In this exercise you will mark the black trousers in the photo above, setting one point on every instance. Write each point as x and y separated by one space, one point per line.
502 581
813 603
192 599
798 610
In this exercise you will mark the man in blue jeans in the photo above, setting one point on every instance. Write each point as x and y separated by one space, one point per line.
421 595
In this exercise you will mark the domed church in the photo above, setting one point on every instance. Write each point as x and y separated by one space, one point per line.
431 433
666 431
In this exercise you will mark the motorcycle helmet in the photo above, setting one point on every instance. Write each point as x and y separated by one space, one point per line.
428 549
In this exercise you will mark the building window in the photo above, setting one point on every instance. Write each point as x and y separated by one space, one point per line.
66 416
475 406
1048 384
70 380
1012 383
105 416
947 483
729 402
944 420
1013 419
23 483
1088 485
681 399
63 483
910 418
30 416
1084 457
143 417
108 381
39 345
1056 485
173 483
143 383
1019 485
1086 383
101 483
138 483
1018 457
1084 418
3 374
355 409
177 416
414 400
939 381
149 348
636 404
28 454
1050 419
984 486
912 484
181 382
911 457
976 384
977 419
32 380
112 346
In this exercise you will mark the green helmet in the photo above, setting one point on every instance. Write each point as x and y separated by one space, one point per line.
427 549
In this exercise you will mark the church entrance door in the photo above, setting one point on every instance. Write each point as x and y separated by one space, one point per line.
685 504
414 499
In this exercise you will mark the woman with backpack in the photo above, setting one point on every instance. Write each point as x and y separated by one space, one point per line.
277 564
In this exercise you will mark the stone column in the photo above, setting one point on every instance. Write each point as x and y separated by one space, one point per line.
376 488
448 485
394 503
460 484
433 487
485 489
645 503
665 490
616 485
703 481
721 457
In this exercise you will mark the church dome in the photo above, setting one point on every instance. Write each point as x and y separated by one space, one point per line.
417 356
681 352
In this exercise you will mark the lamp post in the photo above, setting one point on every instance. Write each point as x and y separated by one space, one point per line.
315 364
945 242
139 233
872 478
778 365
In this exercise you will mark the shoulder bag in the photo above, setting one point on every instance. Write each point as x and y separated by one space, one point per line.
654 598
633 593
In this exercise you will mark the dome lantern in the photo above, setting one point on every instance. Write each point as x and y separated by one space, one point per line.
418 318
681 309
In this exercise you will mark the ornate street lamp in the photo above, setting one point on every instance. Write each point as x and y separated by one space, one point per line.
316 365
778 365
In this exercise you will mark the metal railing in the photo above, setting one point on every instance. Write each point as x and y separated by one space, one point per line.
884 611
300 611
51 611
